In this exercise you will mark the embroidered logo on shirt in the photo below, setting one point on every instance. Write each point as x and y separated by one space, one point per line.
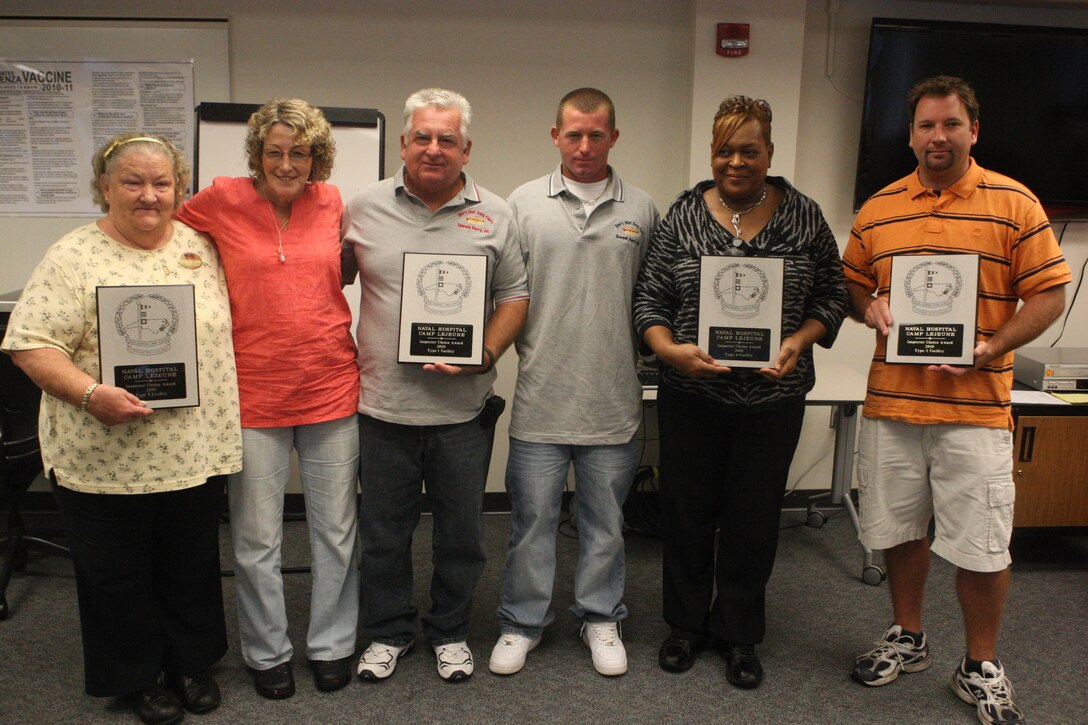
628 231
475 220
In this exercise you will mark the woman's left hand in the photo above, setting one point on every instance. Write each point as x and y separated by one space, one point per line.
793 346
785 361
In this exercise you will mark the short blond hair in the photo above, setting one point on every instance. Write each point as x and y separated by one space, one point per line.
105 160
307 124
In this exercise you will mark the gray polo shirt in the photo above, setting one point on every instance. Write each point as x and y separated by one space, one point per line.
577 352
382 222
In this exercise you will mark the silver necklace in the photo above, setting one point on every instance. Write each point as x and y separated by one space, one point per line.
279 230
594 200
735 221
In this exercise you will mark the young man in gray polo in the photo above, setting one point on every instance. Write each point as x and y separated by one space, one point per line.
577 400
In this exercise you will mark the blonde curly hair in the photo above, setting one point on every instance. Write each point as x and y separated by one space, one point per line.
306 123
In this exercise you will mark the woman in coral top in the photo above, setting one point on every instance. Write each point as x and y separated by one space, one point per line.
278 233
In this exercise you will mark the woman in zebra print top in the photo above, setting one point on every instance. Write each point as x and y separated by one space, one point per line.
728 435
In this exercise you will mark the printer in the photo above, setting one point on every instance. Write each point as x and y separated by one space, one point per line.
1052 368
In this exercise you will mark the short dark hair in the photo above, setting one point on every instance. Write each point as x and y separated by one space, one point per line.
586 100
734 112
943 86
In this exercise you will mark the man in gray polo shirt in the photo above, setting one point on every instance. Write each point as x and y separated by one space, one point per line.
583 235
434 423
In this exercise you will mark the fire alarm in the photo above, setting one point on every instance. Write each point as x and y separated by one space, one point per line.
732 39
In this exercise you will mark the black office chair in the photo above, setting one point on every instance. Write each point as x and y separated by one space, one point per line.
20 464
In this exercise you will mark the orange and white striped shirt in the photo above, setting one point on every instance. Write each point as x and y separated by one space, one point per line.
983 213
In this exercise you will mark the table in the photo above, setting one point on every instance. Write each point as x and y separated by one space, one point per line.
843 389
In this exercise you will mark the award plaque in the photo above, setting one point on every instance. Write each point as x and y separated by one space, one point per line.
147 343
740 309
933 300
442 308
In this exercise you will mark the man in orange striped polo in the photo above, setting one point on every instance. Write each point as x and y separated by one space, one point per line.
936 440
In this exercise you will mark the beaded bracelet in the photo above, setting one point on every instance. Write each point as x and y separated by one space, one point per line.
87 396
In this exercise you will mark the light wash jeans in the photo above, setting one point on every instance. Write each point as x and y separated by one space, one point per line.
536 475
328 455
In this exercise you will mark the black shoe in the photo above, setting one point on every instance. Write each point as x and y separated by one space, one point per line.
677 654
198 693
155 705
331 675
276 683
742 667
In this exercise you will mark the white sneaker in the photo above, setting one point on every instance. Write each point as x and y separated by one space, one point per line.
379 660
603 640
510 651
454 661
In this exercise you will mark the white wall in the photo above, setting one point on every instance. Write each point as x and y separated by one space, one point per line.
515 59
769 71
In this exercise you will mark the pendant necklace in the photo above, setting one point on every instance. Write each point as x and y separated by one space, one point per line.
280 228
738 214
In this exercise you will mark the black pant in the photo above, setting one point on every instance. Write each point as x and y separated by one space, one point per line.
147 577
724 469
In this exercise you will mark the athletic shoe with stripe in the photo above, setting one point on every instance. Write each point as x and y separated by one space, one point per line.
990 692
380 660
893 654
454 661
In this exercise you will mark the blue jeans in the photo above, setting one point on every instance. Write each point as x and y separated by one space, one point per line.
396 461
328 455
536 474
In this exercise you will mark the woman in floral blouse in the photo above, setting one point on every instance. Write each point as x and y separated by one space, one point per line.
135 485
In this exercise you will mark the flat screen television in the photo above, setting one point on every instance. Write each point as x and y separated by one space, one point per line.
1032 88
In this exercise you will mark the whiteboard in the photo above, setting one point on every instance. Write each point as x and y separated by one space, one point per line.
360 154
221 132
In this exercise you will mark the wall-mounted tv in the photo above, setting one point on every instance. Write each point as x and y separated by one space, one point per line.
1032 86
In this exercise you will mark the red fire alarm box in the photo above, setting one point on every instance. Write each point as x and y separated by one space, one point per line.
732 39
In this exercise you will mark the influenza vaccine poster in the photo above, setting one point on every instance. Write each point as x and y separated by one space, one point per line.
54 114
